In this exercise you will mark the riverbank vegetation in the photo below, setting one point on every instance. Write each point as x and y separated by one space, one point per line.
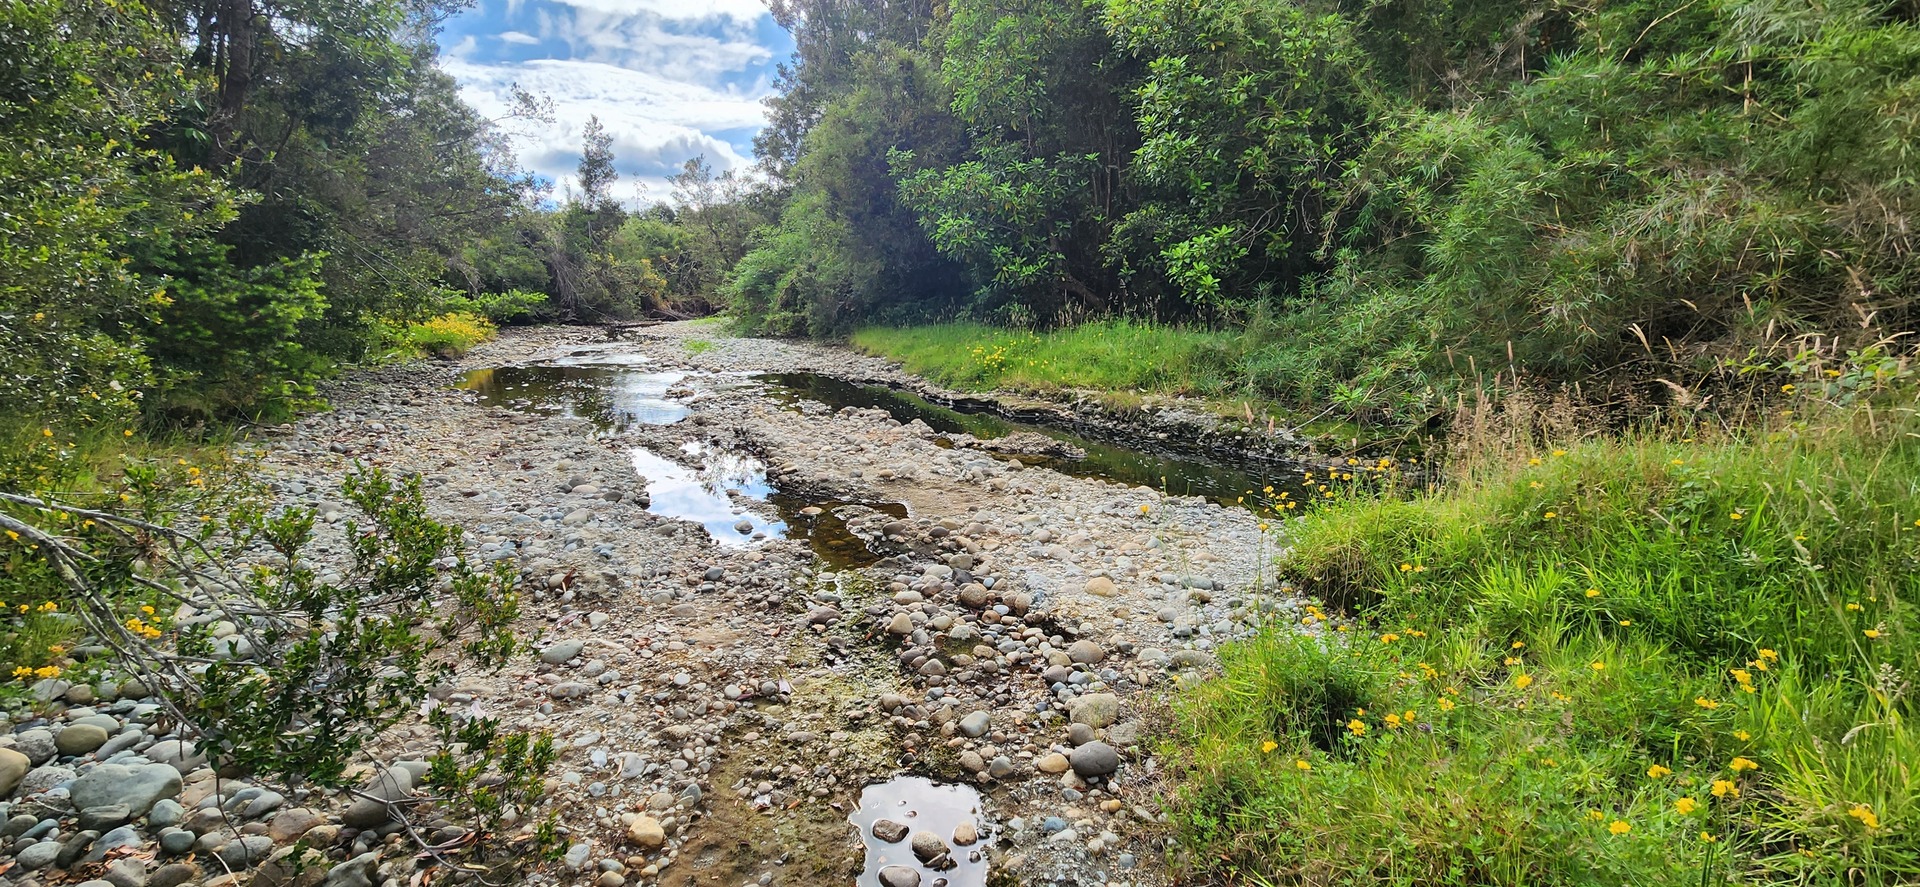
1681 654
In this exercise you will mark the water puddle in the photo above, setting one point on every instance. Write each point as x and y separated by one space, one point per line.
1170 473
613 396
912 811
824 524
705 495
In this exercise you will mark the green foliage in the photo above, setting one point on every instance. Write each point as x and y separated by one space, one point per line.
1700 635
226 340
510 306
447 336
82 87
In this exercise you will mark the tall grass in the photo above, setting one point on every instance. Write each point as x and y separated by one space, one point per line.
1111 355
1671 656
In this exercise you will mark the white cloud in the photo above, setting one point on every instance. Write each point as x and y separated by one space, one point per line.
518 37
647 42
743 11
657 123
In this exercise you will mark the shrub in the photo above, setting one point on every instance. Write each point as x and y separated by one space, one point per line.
449 335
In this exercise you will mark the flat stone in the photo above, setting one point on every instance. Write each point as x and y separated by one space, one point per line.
899 876
391 784
138 787
37 856
180 754
1101 586
1086 652
1054 762
889 831
562 652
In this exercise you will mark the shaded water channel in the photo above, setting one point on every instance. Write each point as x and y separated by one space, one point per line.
618 392
1134 465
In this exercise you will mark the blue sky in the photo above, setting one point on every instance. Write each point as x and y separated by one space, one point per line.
670 79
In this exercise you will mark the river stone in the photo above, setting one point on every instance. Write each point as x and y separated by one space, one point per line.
13 766
176 840
37 745
80 739
173 874
899 876
37 856
901 625
647 833
1189 659
166 813
290 825
1055 763
1095 710
126 872
974 725
1094 759
180 754
391 784
1101 586
975 595
124 836
40 779
889 831
138 787
965 833
928 847
246 852
355 872
99 818
1086 652
560 653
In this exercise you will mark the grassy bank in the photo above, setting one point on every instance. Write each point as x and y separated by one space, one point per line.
1112 356
1672 657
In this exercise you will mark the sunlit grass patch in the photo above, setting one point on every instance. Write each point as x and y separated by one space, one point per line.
1681 656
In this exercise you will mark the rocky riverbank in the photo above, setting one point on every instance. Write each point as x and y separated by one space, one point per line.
722 693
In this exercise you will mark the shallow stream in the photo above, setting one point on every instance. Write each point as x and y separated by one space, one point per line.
619 391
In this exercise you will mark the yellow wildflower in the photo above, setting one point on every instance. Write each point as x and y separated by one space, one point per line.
1446 704
1705 703
1593 592
1619 827
1739 765
1742 735
1268 746
1686 805
1656 771
1725 787
1302 765
1523 681
1356 727
1865 814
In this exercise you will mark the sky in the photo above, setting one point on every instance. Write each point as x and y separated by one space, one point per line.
669 79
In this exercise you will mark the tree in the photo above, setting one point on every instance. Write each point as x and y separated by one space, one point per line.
597 175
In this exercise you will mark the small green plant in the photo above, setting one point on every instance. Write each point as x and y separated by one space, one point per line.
699 346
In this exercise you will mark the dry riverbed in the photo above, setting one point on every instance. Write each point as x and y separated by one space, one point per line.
846 607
